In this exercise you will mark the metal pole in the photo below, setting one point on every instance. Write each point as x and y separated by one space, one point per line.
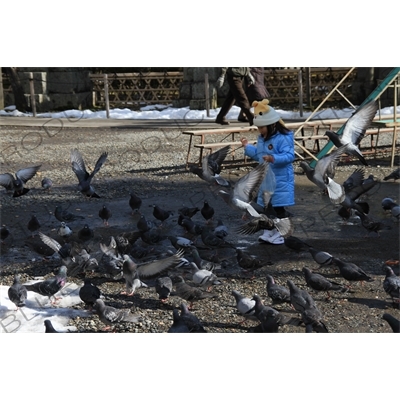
395 88
1 91
106 95
207 93
32 89
300 81
308 86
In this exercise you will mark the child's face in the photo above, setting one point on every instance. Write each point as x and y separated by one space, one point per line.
263 131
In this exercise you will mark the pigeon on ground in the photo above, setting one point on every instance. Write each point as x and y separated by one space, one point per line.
319 283
89 293
111 316
86 233
105 214
350 271
33 225
203 277
144 224
207 211
393 322
16 184
192 321
64 231
354 130
245 189
221 230
4 233
188 292
49 328
393 175
163 288
65 215
211 167
277 293
135 202
321 257
324 168
313 320
300 299
247 261
389 204
84 178
271 319
46 183
178 324
296 244
245 306
210 239
369 224
190 226
17 292
181 243
84 263
132 271
49 287
161 214
204 264
188 211
391 284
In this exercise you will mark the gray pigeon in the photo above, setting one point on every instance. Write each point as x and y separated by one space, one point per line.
49 328
111 315
391 284
192 321
16 184
210 239
354 130
393 322
17 292
393 175
105 214
221 230
89 293
245 306
313 319
245 189
46 183
132 271
320 283
84 178
389 204
188 292
277 293
203 277
63 215
163 288
49 287
369 224
178 324
211 167
247 261
320 257
284 226
204 264
350 271
300 299
64 231
33 225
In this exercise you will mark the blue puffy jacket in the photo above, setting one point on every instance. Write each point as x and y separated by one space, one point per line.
281 147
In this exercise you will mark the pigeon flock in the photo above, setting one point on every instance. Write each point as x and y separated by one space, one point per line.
189 255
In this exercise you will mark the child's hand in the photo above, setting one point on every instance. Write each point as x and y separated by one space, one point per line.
269 158
244 141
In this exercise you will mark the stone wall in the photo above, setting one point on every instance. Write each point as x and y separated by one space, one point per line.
57 88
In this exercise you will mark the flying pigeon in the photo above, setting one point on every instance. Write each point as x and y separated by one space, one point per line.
369 224
245 306
391 284
105 214
46 183
135 202
64 251
16 184
17 292
393 322
350 271
211 167
132 271
284 226
277 293
163 288
319 283
84 178
354 130
89 293
245 189
65 215
188 292
111 315
393 175
50 286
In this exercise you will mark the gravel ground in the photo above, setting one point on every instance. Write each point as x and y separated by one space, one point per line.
151 163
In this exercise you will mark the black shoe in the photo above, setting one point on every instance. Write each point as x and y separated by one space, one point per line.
222 121
243 119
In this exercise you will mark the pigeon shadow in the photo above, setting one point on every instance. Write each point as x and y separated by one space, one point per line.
371 303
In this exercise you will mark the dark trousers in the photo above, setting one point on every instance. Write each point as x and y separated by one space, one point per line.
236 94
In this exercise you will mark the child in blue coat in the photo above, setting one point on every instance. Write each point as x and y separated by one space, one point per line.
276 146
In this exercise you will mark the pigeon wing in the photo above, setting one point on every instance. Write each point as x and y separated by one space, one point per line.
156 267
6 180
76 157
102 159
27 173
52 243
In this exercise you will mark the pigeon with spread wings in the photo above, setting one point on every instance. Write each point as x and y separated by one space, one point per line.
16 184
